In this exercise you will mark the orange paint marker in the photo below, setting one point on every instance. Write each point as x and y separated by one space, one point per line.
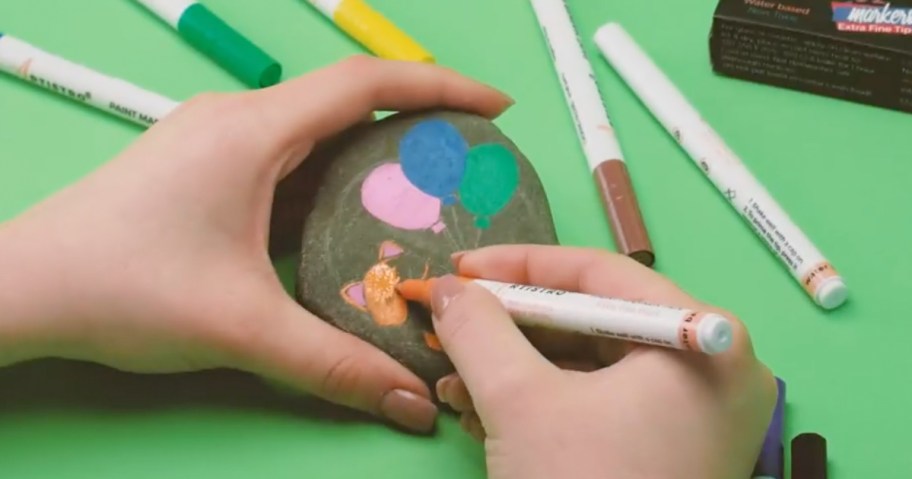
643 323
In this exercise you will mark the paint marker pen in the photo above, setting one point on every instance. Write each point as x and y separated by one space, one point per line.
770 463
809 456
216 39
722 166
371 29
82 84
594 130
596 316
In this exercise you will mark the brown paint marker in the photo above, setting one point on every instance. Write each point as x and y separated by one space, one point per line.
595 131
624 215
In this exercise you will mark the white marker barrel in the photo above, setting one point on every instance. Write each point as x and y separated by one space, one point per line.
722 166
327 7
594 130
578 81
82 84
170 11
629 321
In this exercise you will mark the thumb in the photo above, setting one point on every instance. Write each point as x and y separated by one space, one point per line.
295 347
489 351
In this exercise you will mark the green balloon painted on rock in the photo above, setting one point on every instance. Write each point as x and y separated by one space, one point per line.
490 180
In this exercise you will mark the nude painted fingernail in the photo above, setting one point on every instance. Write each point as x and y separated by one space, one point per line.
446 288
443 386
472 425
456 257
409 410
510 103
510 100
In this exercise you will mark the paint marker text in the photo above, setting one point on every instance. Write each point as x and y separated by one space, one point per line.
594 129
597 316
82 84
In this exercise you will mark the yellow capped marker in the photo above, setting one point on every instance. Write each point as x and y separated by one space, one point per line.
373 30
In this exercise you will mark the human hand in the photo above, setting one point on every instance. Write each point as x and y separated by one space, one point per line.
157 262
656 413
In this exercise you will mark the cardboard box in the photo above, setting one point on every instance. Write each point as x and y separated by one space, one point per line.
859 51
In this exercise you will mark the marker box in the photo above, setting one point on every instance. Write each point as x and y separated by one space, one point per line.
855 50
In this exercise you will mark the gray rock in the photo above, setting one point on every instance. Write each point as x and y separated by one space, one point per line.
370 225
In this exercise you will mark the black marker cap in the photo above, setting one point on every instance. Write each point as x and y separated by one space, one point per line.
809 456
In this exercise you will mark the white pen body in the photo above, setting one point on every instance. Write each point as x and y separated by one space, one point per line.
581 92
722 166
327 7
595 316
82 84
170 11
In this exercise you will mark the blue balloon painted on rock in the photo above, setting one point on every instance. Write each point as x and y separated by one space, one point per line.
433 156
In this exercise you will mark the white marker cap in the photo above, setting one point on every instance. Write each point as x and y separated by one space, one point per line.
831 293
714 334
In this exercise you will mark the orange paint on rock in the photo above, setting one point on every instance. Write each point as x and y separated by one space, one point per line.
384 303
432 341
380 296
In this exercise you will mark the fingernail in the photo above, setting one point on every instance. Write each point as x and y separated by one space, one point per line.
442 386
456 257
472 425
510 100
409 410
445 290
510 103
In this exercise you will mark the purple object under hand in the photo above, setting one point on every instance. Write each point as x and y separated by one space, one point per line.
770 463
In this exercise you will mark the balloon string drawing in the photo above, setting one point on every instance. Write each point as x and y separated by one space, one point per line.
376 293
438 168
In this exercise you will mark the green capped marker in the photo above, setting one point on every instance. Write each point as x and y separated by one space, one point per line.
209 34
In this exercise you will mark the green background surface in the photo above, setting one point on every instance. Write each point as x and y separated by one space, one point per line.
840 169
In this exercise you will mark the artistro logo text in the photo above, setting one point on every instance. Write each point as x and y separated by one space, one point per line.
866 18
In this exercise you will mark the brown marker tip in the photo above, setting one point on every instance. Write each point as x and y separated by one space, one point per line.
647 258
624 217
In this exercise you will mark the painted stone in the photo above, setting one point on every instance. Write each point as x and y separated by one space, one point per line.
395 199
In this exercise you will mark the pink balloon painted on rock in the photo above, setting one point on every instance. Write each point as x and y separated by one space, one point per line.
390 197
